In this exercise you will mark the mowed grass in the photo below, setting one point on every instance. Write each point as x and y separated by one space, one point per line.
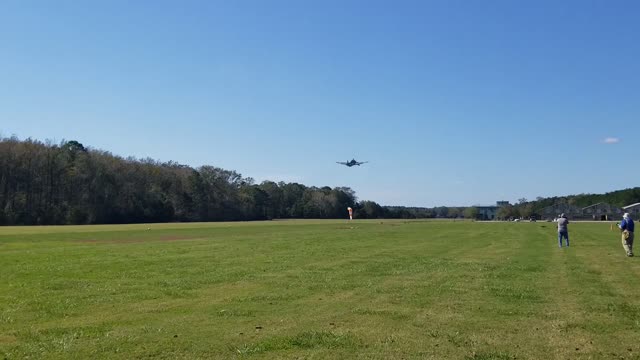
318 290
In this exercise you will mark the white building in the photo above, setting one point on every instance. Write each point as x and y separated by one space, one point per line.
633 210
602 211
553 211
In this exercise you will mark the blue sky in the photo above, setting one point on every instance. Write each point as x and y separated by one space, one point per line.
452 102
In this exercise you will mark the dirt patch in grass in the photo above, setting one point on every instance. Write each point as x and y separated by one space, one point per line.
304 340
491 356
7 339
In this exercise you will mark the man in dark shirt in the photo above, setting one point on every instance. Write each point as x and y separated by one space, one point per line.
627 226
563 230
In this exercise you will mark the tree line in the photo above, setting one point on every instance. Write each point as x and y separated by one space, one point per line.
67 183
526 209
47 183
619 198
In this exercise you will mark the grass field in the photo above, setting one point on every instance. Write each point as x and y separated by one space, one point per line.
318 290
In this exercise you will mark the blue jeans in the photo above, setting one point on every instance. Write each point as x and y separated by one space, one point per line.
563 234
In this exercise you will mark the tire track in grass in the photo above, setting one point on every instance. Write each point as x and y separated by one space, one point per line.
464 318
382 310
512 297
452 312
564 312
574 322
605 310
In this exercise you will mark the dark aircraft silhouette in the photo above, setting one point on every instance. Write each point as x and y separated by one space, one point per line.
351 163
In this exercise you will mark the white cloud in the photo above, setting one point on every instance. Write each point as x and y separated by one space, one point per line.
611 140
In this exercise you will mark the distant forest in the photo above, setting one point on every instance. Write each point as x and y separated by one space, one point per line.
43 183
525 208
46 183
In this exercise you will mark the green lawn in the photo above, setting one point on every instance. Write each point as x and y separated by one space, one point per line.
318 289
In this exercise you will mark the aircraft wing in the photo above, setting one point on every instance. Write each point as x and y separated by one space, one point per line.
362 162
341 163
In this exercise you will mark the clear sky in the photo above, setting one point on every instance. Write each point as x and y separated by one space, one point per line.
452 102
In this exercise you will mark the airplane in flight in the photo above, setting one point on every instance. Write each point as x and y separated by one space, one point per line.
351 163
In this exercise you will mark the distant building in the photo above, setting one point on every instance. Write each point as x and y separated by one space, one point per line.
490 212
633 210
552 212
602 211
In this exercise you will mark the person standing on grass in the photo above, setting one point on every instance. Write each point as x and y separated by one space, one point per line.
563 230
627 227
